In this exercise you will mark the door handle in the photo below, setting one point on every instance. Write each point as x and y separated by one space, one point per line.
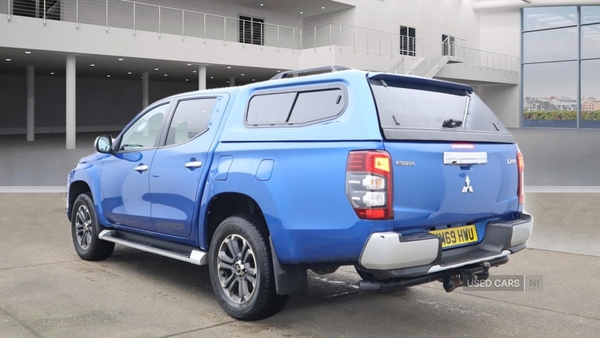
141 167
193 164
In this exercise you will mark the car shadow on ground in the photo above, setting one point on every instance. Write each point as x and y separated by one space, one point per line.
338 287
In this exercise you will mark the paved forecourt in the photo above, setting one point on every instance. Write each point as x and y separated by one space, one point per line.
47 291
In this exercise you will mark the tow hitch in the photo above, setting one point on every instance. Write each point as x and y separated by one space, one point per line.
453 281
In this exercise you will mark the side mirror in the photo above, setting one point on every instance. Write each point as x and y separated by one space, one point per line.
103 144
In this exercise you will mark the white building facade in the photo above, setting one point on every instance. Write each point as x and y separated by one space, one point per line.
90 65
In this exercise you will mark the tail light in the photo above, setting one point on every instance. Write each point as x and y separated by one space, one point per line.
521 166
369 184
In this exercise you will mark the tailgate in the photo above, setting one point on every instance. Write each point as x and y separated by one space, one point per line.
439 183
453 161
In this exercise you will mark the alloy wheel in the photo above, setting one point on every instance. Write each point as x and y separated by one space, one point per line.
83 227
237 269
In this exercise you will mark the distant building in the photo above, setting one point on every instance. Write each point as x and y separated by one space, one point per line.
590 105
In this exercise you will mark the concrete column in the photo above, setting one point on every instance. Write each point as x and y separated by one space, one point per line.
71 107
201 77
30 103
145 86
232 81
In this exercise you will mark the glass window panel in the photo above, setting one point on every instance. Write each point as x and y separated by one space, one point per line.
270 108
550 45
550 95
548 17
312 106
190 119
590 94
144 132
590 41
590 14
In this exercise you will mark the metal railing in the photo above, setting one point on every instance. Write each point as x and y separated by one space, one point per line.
453 50
138 16
341 35
482 58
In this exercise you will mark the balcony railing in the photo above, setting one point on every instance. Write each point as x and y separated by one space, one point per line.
340 35
482 58
137 16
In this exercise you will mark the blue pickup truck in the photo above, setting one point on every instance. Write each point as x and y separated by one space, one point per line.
408 179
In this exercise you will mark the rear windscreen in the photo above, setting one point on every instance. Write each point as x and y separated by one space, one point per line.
427 107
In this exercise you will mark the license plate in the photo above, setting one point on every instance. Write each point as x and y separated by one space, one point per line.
456 236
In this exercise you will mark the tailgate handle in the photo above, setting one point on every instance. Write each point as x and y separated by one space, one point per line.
462 159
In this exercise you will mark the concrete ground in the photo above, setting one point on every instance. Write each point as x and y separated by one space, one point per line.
47 291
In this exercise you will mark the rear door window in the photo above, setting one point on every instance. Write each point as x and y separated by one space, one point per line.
190 119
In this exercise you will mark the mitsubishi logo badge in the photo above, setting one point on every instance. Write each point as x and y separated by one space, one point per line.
467 187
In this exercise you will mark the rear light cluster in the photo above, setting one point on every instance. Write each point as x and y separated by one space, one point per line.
521 166
369 184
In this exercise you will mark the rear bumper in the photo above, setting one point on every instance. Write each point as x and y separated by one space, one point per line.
391 255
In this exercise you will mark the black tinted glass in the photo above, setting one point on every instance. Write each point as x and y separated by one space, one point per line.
270 108
190 119
412 107
311 106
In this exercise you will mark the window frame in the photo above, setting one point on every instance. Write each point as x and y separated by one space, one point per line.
411 41
298 90
242 30
580 59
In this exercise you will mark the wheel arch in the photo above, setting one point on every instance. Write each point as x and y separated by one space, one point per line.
75 189
84 180
229 204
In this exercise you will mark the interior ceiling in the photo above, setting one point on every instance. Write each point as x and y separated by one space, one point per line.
47 62
293 7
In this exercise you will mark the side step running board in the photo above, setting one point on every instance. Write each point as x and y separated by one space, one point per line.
196 257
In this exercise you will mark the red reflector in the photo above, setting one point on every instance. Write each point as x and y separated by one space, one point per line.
372 213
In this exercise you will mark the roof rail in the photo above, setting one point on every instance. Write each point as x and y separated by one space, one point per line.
310 71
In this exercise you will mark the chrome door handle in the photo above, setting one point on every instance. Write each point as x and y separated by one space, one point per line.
141 167
193 164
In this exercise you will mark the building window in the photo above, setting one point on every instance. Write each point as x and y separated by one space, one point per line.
252 30
554 93
449 47
408 44
37 8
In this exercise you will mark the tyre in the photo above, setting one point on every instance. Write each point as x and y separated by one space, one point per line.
241 270
85 230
